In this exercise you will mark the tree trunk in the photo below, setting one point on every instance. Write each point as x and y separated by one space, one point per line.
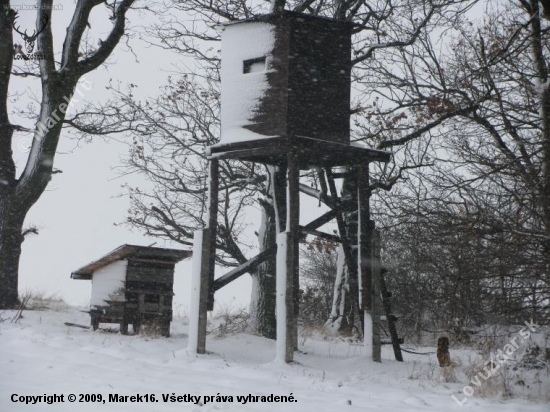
11 238
10 231
17 196
340 321
262 302
345 315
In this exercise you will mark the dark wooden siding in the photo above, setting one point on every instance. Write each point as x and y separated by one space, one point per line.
138 271
309 92
149 288
155 275
319 81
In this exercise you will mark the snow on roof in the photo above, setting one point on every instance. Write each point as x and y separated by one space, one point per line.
129 252
286 14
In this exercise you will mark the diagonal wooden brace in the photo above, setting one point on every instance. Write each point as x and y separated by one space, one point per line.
248 266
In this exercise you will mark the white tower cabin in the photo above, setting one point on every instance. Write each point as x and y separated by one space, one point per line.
286 75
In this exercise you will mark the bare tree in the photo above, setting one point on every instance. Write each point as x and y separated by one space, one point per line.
59 76
485 196
317 276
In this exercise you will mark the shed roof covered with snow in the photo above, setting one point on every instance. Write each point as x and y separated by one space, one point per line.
155 254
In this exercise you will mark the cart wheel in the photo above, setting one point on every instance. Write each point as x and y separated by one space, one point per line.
95 323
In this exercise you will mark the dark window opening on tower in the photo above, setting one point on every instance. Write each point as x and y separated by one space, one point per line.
254 65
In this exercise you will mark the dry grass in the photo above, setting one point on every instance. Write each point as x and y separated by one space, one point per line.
41 300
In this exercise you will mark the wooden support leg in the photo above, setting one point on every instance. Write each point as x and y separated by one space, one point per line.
279 192
293 227
95 323
124 327
204 253
285 298
198 315
165 328
287 266
376 304
212 225
365 264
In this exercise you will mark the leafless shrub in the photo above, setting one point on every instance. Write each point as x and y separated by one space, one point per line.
19 314
230 321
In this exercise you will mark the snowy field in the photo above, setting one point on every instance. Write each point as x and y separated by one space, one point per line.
42 356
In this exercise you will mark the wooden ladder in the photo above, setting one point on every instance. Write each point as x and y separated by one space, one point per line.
390 317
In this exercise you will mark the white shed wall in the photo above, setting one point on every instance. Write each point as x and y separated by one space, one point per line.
108 280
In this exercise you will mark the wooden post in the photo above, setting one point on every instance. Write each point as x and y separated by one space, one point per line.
212 226
284 299
293 227
204 291
203 277
287 263
279 193
365 228
363 213
375 311
199 293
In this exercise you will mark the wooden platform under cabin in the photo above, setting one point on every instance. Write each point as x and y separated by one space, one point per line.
310 152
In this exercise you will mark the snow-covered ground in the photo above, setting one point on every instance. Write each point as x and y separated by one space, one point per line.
39 355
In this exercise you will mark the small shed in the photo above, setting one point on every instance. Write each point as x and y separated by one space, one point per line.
286 75
133 285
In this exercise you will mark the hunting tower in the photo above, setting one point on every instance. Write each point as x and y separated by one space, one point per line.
286 103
